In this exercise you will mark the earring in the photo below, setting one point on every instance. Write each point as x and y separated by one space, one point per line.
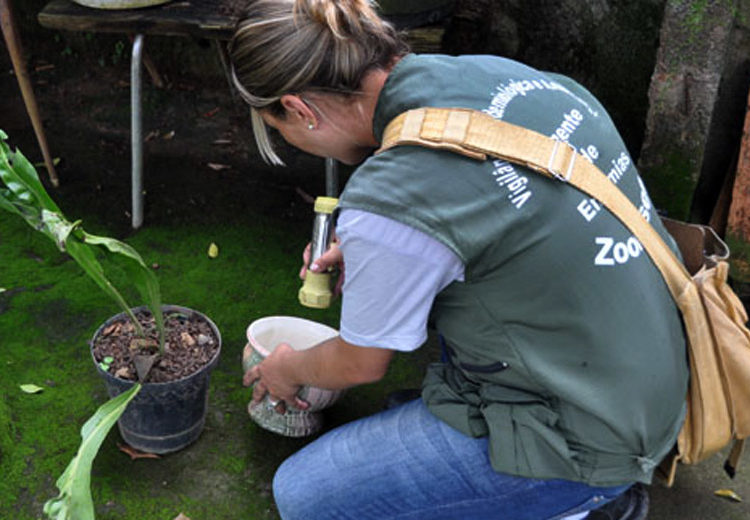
310 125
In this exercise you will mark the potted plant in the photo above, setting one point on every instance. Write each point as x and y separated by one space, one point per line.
155 359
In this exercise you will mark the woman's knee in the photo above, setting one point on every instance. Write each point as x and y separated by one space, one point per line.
295 494
286 489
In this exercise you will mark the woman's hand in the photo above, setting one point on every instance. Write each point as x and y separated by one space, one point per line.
332 258
333 364
270 377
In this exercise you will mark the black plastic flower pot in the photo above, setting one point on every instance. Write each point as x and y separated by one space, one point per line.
163 417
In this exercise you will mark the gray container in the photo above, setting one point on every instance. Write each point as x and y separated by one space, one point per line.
163 417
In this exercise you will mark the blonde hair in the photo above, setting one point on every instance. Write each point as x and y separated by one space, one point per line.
294 46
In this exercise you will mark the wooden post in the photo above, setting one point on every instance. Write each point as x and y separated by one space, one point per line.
13 41
738 219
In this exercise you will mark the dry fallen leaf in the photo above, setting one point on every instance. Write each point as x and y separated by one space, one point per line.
135 454
142 343
31 389
123 373
218 167
187 339
728 494
112 329
153 134
305 196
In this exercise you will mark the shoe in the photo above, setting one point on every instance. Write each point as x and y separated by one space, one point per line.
400 397
631 505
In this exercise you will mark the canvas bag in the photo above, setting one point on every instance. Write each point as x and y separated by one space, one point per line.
718 399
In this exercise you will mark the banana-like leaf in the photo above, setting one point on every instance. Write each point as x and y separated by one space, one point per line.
139 273
23 177
85 256
22 192
57 227
74 501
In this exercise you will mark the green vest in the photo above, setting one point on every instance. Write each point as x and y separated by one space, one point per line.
566 347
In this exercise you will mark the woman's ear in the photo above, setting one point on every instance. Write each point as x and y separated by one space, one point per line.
298 110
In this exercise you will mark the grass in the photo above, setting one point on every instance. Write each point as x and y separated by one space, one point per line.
48 312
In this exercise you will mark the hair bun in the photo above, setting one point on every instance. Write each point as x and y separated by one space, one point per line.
343 18
304 46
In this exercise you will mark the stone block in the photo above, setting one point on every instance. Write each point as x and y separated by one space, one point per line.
696 105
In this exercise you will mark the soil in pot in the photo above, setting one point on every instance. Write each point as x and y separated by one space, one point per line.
189 345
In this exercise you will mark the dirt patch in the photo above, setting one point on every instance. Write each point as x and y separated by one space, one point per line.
59 321
200 162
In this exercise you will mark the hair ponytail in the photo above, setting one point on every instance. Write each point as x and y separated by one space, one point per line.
292 46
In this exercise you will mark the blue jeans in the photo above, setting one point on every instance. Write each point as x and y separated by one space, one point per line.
405 463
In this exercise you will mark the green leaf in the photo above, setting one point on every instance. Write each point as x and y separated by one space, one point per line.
22 192
74 501
23 173
58 227
115 246
31 389
139 274
84 255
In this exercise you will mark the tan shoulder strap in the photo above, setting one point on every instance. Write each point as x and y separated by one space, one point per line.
477 135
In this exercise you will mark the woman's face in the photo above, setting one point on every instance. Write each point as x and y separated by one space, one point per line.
330 131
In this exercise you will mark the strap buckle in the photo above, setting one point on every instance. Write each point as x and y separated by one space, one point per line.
552 159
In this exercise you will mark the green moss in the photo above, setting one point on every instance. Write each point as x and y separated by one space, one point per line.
49 311
7 431
740 260
699 15
670 184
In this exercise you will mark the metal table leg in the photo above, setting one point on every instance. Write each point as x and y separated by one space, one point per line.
136 133
332 178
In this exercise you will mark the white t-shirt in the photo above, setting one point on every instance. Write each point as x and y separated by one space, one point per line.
392 274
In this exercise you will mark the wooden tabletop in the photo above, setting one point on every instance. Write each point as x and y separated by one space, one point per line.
200 18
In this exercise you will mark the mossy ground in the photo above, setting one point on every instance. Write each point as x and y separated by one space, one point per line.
48 312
